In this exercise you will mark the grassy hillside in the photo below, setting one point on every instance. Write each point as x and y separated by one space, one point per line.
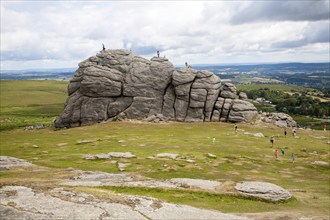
240 157
27 102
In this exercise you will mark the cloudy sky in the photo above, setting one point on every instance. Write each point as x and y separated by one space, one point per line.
59 34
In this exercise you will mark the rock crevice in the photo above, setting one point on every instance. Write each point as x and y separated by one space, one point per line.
116 84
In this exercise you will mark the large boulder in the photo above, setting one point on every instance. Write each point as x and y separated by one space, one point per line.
263 190
117 85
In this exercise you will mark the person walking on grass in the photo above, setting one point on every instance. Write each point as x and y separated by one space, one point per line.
282 151
213 140
276 154
325 127
272 140
285 132
235 127
293 157
294 132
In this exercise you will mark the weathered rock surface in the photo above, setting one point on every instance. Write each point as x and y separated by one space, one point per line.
117 85
109 155
278 119
20 202
8 162
97 178
323 163
263 190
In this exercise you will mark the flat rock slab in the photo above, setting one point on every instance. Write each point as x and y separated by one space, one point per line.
263 190
168 155
8 162
97 178
109 155
202 184
322 163
20 202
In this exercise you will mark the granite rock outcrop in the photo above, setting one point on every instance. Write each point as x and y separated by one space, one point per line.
117 85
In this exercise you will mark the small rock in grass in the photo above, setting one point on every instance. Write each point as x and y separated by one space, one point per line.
209 155
122 166
323 163
121 154
85 141
169 155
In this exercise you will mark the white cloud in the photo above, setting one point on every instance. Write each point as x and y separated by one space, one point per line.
57 33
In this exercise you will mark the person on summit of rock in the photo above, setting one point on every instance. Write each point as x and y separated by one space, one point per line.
186 64
157 53
103 48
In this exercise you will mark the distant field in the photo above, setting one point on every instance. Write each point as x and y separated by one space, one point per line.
25 102
278 87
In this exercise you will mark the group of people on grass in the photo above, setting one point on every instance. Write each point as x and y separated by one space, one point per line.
276 152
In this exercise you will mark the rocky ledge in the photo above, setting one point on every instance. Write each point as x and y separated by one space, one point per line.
117 85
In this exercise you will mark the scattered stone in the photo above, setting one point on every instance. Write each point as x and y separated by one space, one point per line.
85 141
121 154
322 163
151 157
101 156
109 155
211 156
190 161
303 149
168 155
89 157
35 146
121 141
8 162
122 166
255 134
263 190
33 127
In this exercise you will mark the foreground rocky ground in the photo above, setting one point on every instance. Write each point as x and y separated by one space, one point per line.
31 201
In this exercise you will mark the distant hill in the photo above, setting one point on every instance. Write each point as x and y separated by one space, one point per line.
315 75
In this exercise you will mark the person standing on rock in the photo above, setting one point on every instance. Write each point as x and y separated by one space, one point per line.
186 64
103 47
272 140
157 53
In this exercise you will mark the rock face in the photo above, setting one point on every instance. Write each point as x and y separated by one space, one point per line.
116 85
21 202
279 119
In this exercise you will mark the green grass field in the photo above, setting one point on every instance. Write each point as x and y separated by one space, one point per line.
240 157
28 102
